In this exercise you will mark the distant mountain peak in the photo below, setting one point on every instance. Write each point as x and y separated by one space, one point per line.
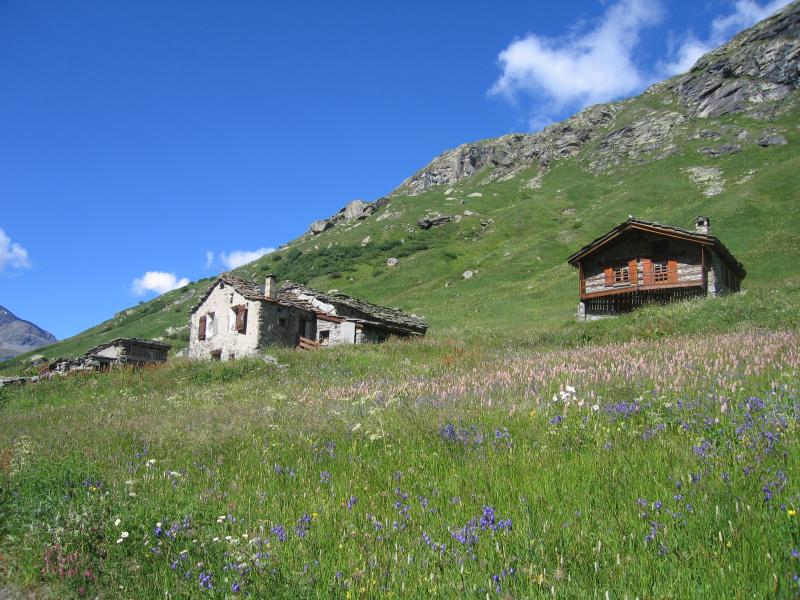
18 336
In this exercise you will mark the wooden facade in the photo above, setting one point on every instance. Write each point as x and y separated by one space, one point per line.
639 263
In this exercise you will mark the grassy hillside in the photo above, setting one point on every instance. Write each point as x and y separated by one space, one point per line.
515 237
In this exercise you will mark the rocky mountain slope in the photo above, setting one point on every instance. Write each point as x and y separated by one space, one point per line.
18 336
747 75
478 238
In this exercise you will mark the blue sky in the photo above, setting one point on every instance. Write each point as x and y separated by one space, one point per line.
146 143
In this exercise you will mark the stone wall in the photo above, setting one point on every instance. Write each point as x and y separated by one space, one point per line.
279 325
371 335
221 335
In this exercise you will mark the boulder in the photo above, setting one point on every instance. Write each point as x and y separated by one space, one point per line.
428 222
722 150
318 227
772 139
392 262
357 209
467 274
366 241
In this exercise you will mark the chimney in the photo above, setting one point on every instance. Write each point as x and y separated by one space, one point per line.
270 287
702 225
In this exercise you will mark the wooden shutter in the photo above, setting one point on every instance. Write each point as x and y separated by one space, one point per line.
241 318
672 271
609 272
633 271
201 330
647 271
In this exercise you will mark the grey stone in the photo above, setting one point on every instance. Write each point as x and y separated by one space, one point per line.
721 150
318 227
772 139
467 274
429 222
392 262
357 209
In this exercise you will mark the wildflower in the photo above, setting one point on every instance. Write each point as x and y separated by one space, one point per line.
117 522
124 535
280 532
351 502
325 477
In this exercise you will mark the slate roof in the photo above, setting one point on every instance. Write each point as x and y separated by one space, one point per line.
371 312
289 295
653 227
117 341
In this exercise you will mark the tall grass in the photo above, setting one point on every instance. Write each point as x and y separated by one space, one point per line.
660 468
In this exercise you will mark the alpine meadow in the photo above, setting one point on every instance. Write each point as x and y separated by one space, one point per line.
512 452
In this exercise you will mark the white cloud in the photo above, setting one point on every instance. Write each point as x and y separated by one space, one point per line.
12 254
579 70
157 281
237 258
209 259
745 14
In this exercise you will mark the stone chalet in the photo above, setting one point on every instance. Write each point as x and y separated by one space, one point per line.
638 262
236 318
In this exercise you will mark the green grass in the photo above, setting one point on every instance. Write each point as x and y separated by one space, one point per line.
423 436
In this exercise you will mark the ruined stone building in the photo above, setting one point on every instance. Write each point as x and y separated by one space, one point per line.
638 262
135 352
236 318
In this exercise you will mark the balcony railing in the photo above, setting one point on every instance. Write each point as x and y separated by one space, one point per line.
661 280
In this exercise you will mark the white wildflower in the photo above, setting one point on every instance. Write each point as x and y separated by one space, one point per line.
117 522
595 407
124 535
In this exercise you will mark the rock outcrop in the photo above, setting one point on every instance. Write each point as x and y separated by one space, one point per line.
357 209
750 73
506 156
759 65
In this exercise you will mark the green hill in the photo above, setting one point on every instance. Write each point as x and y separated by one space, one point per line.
721 140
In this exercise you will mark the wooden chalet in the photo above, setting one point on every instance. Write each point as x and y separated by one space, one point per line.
639 262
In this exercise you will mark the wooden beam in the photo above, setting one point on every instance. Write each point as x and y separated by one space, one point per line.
641 288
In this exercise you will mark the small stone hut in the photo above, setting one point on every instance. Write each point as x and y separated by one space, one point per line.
236 318
639 262
135 352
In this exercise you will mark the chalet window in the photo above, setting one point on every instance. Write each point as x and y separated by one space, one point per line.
660 271
324 336
622 274
201 328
